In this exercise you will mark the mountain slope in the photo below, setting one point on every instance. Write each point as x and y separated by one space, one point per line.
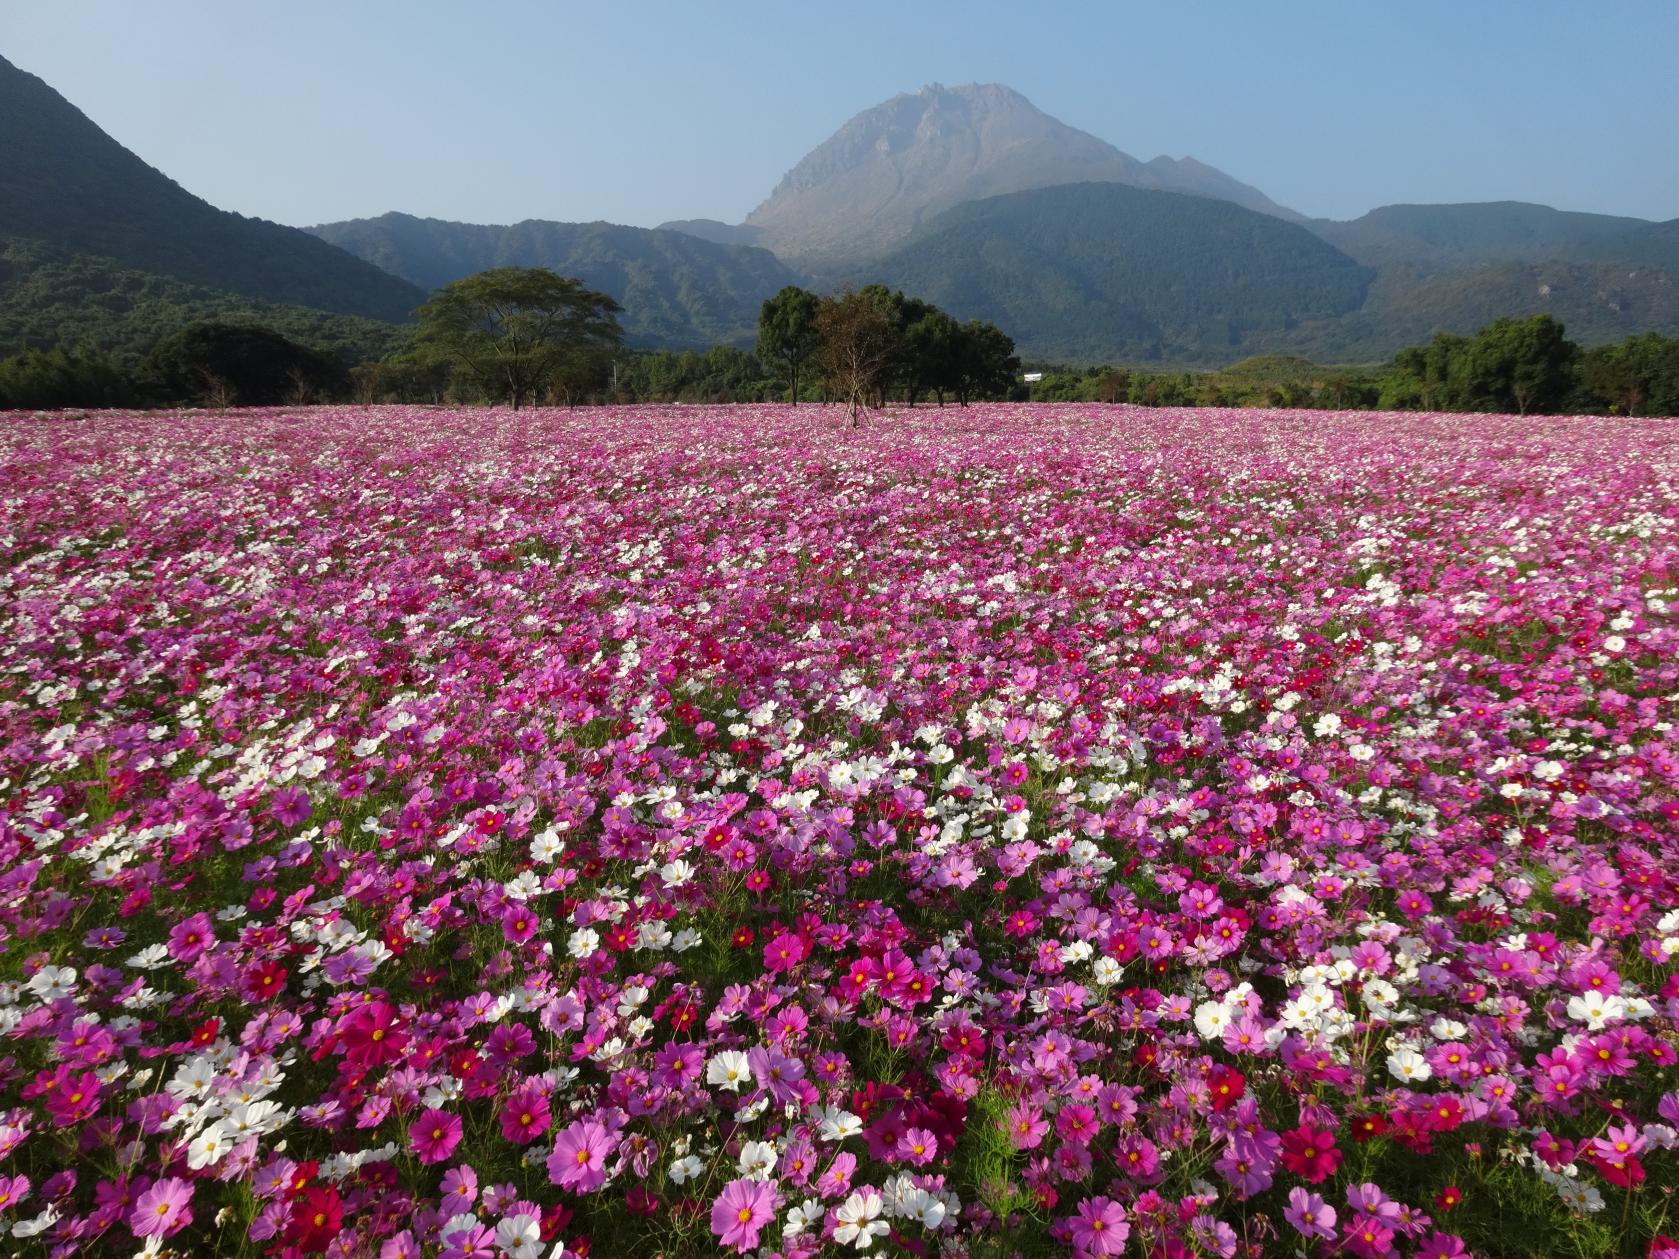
51 296
1100 271
1433 238
895 166
1596 302
68 183
677 290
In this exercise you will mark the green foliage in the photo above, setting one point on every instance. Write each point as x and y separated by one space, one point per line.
70 184
516 331
1519 365
720 374
50 296
223 364
983 361
1638 376
44 380
676 290
787 334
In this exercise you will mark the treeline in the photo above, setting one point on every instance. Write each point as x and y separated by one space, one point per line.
1520 366
521 335
867 348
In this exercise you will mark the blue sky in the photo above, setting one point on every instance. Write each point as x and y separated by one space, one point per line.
306 112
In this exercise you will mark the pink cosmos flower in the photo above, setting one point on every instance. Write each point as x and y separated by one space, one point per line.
741 1211
1310 1215
917 1146
1099 1227
578 1162
163 1210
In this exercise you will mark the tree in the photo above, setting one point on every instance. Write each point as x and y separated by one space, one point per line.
1638 376
41 380
932 346
859 337
512 329
787 334
1519 364
986 365
221 363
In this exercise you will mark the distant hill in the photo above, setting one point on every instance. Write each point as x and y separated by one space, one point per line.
718 233
1434 238
51 296
1101 271
1596 302
897 165
676 289
65 182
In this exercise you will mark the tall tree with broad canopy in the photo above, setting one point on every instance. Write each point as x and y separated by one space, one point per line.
787 334
514 329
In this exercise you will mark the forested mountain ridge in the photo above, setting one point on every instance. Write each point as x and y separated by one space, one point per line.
69 184
676 289
1101 270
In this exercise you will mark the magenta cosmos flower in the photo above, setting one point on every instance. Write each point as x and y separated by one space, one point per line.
525 1116
741 1210
434 1135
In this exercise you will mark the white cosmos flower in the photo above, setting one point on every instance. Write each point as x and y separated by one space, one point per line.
801 1217
757 1160
685 1169
729 1070
1107 971
1408 1065
1578 1197
676 873
839 1124
1211 1018
547 846
53 983
253 1117
208 1147
857 1220
1596 1009
520 1237
584 942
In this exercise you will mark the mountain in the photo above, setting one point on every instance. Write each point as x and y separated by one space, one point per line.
1434 238
1104 272
676 289
52 296
717 232
69 184
1596 302
897 165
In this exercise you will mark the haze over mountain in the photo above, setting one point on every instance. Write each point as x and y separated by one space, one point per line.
65 182
676 289
892 167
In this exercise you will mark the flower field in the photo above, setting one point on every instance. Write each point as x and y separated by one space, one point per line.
681 831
